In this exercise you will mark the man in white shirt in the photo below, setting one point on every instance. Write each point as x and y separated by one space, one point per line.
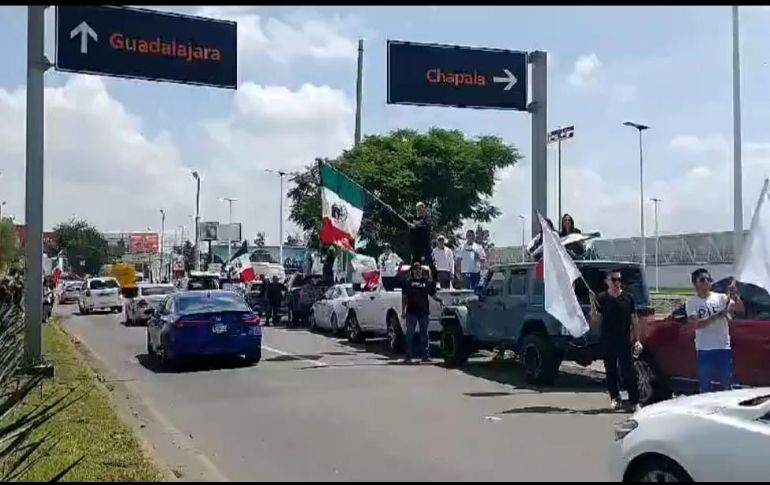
711 313
388 263
443 259
472 257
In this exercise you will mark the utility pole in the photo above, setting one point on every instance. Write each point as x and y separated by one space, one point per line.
639 127
37 64
656 201
557 136
229 201
523 244
737 162
197 251
538 109
359 90
281 174
162 233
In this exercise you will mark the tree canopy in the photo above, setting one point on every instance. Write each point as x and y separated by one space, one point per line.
452 174
84 245
10 251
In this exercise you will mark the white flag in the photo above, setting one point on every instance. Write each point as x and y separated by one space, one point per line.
560 273
754 264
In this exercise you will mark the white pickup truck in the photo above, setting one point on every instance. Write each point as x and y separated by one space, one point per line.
377 313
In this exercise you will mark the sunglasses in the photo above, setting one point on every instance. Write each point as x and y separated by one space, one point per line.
616 280
705 279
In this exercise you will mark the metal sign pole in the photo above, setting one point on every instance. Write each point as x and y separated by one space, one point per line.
37 64
539 111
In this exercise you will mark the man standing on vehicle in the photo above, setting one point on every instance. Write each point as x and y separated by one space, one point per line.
388 263
275 291
444 259
615 310
420 236
472 256
415 309
711 312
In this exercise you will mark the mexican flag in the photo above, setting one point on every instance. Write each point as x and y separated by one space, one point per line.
342 202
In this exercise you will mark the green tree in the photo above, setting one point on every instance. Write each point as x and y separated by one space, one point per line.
9 244
452 174
259 241
116 252
188 255
85 247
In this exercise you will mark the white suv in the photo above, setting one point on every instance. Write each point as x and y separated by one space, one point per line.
100 293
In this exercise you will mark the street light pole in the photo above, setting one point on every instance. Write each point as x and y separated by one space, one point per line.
737 163
1 209
523 246
197 251
556 136
281 174
229 201
639 127
162 233
656 201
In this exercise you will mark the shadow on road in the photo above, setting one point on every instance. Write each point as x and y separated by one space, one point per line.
560 410
293 357
192 365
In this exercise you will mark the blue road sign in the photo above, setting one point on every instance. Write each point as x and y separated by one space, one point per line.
146 44
448 75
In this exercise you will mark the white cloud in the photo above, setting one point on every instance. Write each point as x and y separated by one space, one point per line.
585 70
100 165
285 41
696 144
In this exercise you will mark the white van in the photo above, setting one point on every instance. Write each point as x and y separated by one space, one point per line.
100 293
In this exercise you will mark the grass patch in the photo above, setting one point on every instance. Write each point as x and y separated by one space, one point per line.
674 291
90 428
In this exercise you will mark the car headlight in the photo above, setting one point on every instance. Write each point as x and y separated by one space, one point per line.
623 429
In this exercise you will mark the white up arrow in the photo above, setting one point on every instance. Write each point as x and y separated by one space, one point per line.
508 78
84 31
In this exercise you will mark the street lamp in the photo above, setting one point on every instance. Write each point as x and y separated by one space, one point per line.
639 127
737 164
230 201
523 246
1 206
162 233
281 174
656 201
197 252
556 136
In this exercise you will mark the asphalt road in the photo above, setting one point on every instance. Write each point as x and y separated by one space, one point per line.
318 408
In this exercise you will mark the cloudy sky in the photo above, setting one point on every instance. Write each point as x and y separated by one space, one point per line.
118 150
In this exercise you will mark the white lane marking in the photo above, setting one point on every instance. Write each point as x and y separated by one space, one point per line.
281 352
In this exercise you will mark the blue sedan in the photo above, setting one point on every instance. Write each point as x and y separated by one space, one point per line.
214 322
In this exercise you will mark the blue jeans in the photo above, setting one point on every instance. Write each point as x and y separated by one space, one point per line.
412 320
471 280
711 362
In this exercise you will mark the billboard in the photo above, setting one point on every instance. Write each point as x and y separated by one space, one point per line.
143 242
50 245
229 232
209 231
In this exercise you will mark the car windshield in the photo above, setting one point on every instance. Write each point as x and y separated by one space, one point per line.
103 284
203 284
157 290
211 302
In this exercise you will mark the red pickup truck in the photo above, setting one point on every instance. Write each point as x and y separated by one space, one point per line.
669 345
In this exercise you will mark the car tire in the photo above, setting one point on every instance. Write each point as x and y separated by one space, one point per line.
540 359
454 346
117 309
652 384
395 336
355 335
254 358
657 469
336 330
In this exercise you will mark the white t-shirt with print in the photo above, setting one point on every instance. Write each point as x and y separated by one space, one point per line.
715 336
471 256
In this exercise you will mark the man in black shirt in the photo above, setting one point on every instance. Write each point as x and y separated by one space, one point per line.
275 290
615 309
416 308
420 237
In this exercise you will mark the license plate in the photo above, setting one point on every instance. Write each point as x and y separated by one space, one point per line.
219 328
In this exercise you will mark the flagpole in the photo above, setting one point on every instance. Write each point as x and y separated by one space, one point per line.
369 193
590 291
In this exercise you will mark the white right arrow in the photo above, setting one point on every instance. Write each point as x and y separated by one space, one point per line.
84 31
508 78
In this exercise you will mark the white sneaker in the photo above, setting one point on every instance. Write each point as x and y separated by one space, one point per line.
615 404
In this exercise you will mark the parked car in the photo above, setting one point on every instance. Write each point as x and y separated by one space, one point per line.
100 293
302 291
377 313
212 322
330 311
670 356
148 298
70 292
510 314
714 437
